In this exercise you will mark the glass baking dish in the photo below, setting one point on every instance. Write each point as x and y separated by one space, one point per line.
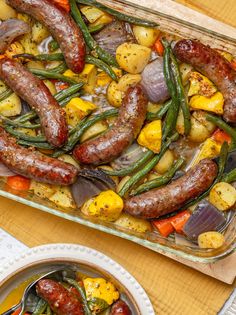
152 240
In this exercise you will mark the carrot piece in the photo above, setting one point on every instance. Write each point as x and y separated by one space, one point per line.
159 47
178 221
221 136
233 64
63 4
59 85
164 226
18 182
17 312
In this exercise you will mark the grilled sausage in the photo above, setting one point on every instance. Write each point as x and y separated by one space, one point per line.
158 202
210 63
33 164
120 308
105 148
61 26
37 95
60 300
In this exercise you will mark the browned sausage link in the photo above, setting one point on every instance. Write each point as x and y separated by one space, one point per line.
210 63
33 164
37 95
158 202
60 300
61 26
105 148
120 308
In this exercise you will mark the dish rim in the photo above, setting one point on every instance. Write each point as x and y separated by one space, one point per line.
73 253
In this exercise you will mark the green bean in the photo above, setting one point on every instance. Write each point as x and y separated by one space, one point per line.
101 65
221 167
39 145
95 28
18 124
161 112
229 177
181 94
63 97
79 130
26 117
42 57
117 14
60 96
82 293
5 94
53 45
142 173
126 171
91 43
52 75
59 69
224 126
160 181
23 136
172 114
40 308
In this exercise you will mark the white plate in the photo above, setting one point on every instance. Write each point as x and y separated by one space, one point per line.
78 254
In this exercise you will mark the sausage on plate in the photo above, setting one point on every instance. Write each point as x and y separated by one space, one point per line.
37 95
120 308
33 164
60 300
61 26
110 145
161 201
210 63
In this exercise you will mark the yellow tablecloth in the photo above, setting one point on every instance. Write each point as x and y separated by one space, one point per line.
174 289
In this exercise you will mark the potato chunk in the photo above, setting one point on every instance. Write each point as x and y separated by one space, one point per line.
132 58
129 222
223 196
211 240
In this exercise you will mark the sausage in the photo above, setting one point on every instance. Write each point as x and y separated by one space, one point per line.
60 300
210 63
37 95
158 202
61 26
33 164
108 146
120 308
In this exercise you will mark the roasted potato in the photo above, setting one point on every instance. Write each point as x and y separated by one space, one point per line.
211 239
165 162
94 130
223 196
132 58
145 36
63 198
129 222
6 12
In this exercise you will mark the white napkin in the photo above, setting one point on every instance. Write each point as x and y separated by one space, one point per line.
9 246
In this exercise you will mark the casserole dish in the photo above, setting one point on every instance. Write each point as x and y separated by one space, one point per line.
149 239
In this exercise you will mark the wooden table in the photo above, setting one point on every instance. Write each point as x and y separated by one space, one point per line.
174 289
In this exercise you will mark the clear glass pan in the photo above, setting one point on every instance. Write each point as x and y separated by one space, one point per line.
151 240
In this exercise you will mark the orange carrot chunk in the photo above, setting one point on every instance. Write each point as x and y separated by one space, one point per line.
18 182
178 221
221 136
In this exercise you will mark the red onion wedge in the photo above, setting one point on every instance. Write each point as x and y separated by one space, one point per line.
205 218
9 30
153 81
89 184
112 36
5 171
